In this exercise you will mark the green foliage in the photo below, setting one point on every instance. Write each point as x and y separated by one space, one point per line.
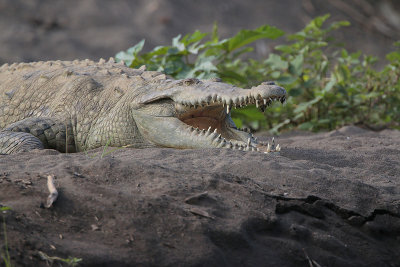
328 87
70 261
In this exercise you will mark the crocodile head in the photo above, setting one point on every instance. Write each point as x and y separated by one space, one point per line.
194 113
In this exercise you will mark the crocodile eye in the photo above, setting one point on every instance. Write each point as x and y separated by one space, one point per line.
190 81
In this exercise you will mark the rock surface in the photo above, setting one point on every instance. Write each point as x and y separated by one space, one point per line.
331 199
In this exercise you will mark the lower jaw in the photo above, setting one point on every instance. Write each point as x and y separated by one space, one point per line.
171 132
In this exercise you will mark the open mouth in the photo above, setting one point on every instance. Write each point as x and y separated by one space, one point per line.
211 119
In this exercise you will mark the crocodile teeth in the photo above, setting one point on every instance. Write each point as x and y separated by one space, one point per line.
278 148
268 148
227 108
248 141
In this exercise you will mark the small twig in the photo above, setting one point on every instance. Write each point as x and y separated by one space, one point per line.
196 198
311 262
201 213
308 258
53 191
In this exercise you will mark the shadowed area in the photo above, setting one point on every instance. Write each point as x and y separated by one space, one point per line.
330 198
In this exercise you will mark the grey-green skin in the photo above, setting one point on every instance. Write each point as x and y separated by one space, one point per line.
76 105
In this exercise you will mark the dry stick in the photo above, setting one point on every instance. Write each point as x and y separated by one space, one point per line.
66 138
53 191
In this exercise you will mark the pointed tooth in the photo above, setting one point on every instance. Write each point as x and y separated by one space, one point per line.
268 148
278 148
209 128
215 130
265 101
227 108
257 103
248 141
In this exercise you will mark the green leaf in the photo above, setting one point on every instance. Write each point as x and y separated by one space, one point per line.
176 43
295 92
232 75
324 121
296 65
248 113
284 48
307 126
276 62
245 37
192 38
134 50
329 85
393 56
305 105
238 122
318 21
286 79
214 35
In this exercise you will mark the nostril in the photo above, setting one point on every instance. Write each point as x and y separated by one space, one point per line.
268 83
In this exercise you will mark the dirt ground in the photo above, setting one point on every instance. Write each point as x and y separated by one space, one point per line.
331 199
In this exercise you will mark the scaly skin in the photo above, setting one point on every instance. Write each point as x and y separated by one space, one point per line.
80 105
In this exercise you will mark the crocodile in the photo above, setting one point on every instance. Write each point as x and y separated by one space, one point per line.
74 106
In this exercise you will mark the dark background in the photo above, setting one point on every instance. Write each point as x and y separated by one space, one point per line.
34 30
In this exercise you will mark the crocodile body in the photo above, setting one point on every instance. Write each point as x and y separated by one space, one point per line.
76 105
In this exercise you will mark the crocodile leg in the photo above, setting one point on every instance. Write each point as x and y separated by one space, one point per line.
15 142
37 133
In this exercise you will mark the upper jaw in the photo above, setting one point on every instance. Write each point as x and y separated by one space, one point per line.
193 92
230 96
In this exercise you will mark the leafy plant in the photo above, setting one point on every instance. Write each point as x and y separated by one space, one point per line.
328 86
70 261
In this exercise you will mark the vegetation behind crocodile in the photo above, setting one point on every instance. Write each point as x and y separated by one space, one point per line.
79 105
